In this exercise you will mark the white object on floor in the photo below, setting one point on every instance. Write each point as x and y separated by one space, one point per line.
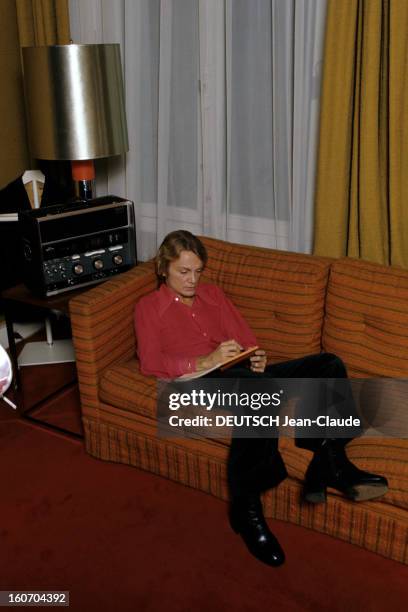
6 376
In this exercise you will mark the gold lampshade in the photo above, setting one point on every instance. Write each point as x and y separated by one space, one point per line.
75 101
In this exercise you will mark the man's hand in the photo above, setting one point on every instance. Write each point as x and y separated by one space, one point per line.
226 350
258 361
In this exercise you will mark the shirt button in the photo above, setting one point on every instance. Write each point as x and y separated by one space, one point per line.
193 314
204 334
176 299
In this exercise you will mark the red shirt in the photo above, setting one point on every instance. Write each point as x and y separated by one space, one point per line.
170 334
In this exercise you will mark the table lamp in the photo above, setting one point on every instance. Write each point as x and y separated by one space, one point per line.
75 106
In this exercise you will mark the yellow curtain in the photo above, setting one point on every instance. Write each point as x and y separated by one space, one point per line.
362 178
43 22
22 23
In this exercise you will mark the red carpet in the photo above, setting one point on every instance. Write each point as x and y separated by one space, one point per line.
121 539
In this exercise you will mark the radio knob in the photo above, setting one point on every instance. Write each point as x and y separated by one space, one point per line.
118 259
98 264
78 269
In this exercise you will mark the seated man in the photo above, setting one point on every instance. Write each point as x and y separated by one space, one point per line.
185 327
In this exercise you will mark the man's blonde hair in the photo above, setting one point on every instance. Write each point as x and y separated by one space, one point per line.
171 247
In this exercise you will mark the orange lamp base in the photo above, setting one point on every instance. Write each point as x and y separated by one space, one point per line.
83 170
83 174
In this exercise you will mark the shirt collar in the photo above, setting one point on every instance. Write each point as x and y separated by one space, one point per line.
167 297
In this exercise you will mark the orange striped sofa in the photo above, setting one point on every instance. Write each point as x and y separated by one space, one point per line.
297 305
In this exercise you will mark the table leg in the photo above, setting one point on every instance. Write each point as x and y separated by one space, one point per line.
8 308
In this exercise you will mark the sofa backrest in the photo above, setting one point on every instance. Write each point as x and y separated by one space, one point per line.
366 322
280 294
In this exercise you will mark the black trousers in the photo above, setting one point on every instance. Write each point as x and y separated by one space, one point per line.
255 464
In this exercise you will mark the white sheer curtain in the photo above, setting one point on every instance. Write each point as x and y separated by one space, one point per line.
222 104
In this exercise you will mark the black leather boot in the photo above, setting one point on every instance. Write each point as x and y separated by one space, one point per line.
330 467
246 518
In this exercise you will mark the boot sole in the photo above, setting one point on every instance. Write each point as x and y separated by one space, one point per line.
357 493
366 492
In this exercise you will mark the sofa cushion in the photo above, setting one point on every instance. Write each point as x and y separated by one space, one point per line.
366 322
280 294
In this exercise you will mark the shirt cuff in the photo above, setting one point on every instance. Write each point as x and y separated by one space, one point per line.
186 365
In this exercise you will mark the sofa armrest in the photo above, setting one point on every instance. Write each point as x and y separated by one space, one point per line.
103 328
